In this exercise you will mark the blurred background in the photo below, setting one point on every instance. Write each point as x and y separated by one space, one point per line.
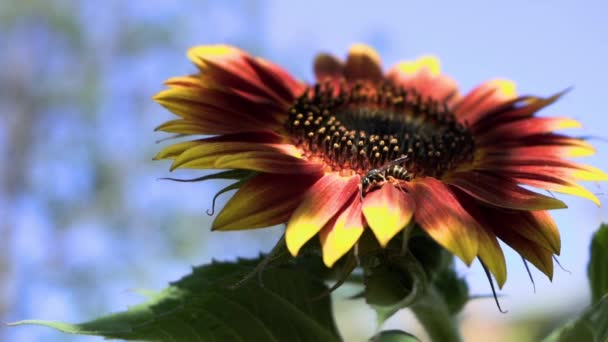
85 220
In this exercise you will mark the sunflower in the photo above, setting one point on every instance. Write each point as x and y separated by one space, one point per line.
363 148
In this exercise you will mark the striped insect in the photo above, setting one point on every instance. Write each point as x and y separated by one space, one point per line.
392 168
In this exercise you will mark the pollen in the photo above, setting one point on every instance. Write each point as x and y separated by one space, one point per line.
363 126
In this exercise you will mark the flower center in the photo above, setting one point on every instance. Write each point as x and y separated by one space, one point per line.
363 127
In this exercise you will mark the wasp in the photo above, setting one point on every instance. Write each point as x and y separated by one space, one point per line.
375 175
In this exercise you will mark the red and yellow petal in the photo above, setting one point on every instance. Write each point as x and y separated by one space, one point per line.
556 184
489 251
235 69
525 127
342 232
387 211
256 151
363 63
289 87
536 226
325 199
502 192
425 76
271 158
194 100
264 201
441 215
515 109
540 257
175 150
566 148
534 235
558 168
483 99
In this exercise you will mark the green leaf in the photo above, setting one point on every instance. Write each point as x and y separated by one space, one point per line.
597 270
394 336
592 326
206 306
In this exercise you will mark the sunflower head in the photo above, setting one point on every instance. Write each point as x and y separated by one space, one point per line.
363 148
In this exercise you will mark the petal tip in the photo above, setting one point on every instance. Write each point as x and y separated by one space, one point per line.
364 49
430 63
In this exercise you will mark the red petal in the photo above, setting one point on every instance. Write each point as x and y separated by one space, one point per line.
290 88
540 257
204 102
424 75
483 99
501 192
519 108
328 67
342 232
233 68
534 235
363 63
265 200
325 199
442 216
525 127
387 211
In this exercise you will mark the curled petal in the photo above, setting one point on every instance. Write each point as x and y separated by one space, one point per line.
326 198
342 232
501 192
328 67
424 75
442 216
387 211
265 200
363 63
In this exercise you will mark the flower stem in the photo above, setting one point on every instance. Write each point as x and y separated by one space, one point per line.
432 312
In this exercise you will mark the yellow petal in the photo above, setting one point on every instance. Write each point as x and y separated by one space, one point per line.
492 256
387 211
265 200
341 234
429 63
